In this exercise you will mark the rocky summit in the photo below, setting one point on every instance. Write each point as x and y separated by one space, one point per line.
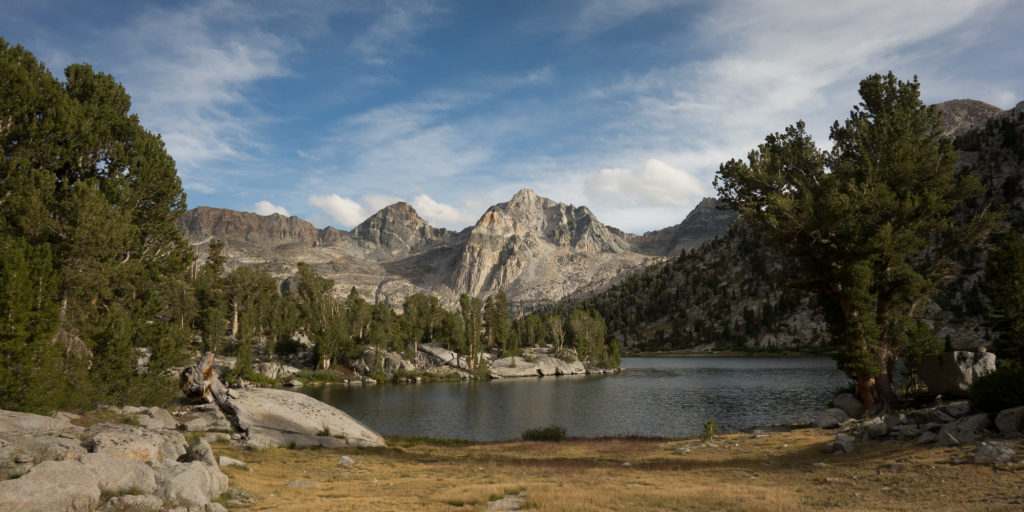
537 250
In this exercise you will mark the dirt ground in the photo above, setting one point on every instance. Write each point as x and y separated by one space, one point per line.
736 472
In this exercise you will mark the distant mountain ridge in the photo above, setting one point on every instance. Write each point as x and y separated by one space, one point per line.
537 250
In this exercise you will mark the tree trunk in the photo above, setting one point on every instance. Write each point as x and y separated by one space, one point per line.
234 320
866 391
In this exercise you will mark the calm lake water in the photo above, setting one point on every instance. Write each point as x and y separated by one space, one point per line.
664 397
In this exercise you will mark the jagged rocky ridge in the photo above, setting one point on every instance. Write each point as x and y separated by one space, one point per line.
729 293
537 250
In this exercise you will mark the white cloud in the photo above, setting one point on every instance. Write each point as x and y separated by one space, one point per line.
268 208
440 214
347 212
657 184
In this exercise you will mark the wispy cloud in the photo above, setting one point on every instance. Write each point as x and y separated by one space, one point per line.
600 15
190 70
389 35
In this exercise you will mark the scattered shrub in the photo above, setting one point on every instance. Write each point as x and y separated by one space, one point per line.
710 431
1001 389
552 433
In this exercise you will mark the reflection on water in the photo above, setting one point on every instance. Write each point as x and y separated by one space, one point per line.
664 397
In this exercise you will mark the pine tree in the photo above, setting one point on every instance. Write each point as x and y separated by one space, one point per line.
82 178
868 224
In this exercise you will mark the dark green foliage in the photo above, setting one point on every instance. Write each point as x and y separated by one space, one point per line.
91 194
1001 389
1004 286
30 379
322 315
551 434
498 325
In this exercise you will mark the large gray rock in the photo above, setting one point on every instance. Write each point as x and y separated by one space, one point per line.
205 417
957 408
152 417
965 430
951 373
200 451
371 361
930 415
19 451
137 443
539 365
192 483
432 354
993 452
275 370
51 486
116 475
875 428
831 418
13 421
849 404
281 418
841 444
1010 420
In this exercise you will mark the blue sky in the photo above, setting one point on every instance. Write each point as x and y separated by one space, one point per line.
330 110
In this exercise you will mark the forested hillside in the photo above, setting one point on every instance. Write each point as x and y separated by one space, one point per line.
734 292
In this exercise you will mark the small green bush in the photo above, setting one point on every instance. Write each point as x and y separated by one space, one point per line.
1001 389
552 433
710 431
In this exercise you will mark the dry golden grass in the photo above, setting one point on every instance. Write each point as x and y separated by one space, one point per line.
741 473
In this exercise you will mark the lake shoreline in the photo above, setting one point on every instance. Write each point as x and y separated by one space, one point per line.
725 353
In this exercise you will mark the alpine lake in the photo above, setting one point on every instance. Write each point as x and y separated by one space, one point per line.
669 397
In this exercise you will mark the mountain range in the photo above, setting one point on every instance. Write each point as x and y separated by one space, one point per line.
537 250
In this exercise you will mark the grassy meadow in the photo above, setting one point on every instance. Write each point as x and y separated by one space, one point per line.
736 472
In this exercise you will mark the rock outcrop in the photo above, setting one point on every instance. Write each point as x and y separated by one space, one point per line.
398 231
959 116
275 417
539 365
63 467
704 223
951 373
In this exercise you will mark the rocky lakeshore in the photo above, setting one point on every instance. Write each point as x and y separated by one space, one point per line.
432 361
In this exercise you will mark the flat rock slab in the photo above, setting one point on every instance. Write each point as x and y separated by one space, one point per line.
13 421
283 418
51 486
137 443
540 365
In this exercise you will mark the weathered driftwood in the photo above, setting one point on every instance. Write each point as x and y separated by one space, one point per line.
199 383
